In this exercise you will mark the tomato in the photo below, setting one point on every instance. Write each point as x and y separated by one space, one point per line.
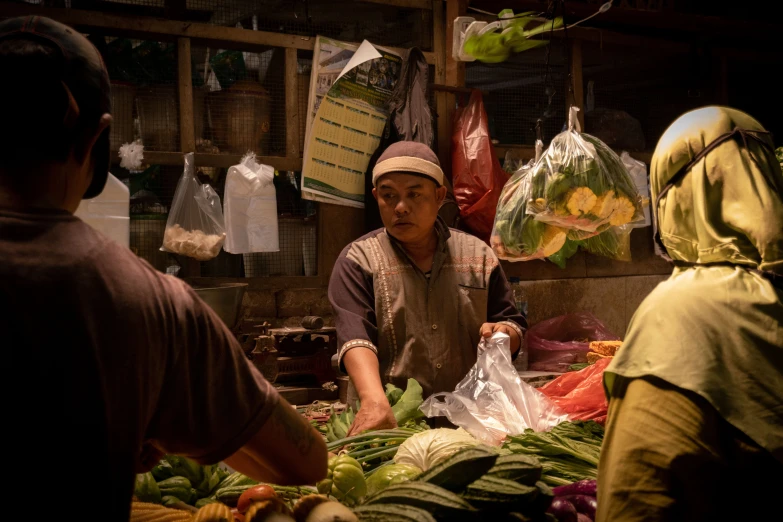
238 517
255 494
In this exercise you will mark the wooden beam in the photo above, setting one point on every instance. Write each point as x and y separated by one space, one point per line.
407 4
292 138
216 160
187 129
576 97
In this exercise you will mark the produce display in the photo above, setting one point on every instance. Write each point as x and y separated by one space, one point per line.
405 407
569 452
579 194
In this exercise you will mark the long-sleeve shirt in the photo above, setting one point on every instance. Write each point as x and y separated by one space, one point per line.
424 326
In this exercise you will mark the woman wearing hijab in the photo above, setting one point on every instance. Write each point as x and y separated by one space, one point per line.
695 425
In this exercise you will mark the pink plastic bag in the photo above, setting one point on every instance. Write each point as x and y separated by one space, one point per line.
581 394
557 343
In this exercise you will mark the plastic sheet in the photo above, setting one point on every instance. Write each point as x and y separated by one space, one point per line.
478 176
492 401
195 224
581 394
557 343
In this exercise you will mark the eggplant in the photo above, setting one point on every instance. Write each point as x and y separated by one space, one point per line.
583 487
584 504
563 510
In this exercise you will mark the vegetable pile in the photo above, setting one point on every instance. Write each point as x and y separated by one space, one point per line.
569 452
579 194
405 406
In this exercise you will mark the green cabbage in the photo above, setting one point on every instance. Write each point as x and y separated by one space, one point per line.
430 447
389 475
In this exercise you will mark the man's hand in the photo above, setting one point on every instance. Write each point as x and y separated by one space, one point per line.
373 415
487 329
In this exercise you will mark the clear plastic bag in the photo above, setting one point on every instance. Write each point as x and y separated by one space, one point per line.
195 224
638 172
555 344
250 208
581 185
581 394
492 401
516 235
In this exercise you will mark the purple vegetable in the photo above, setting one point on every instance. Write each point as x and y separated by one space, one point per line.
583 518
583 487
563 510
584 504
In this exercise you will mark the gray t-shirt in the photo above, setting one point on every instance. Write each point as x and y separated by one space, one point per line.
102 353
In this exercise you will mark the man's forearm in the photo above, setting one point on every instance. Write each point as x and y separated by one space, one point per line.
362 366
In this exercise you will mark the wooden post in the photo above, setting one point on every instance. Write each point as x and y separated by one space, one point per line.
292 115
576 98
187 130
441 98
454 77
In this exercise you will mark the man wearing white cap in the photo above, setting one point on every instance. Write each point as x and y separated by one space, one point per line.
413 298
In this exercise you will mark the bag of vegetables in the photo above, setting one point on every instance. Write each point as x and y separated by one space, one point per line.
580 185
516 235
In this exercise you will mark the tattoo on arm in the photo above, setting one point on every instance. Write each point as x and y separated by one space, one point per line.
290 425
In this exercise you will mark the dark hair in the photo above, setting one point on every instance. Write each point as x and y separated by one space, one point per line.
33 103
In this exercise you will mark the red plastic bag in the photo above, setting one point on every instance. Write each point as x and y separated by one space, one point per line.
478 176
555 344
581 394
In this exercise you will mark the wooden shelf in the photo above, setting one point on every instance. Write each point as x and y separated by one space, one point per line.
216 160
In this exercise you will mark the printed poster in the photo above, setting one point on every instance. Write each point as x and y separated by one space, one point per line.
349 89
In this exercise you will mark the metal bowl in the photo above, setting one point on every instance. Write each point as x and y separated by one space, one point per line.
224 298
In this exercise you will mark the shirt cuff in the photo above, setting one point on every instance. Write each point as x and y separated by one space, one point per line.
520 332
350 345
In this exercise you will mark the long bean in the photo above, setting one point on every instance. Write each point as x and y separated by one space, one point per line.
387 452
361 453
374 437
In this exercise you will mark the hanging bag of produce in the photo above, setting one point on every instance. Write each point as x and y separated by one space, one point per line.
582 186
195 224
516 235
478 176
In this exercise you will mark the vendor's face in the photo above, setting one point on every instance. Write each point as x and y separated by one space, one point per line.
409 205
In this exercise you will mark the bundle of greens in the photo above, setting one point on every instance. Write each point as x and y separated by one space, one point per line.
582 186
405 406
569 452
516 235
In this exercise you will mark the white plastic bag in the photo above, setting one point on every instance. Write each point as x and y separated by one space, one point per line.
638 172
250 208
492 401
195 224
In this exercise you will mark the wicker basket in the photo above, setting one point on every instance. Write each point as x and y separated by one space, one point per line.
158 117
240 118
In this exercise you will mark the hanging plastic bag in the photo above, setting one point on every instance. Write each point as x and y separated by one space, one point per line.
478 176
492 401
581 394
516 235
638 172
195 224
582 186
555 344
250 208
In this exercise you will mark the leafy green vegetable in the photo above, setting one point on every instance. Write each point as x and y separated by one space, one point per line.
568 452
393 394
407 408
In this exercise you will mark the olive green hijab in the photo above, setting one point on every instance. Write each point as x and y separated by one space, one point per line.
714 327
